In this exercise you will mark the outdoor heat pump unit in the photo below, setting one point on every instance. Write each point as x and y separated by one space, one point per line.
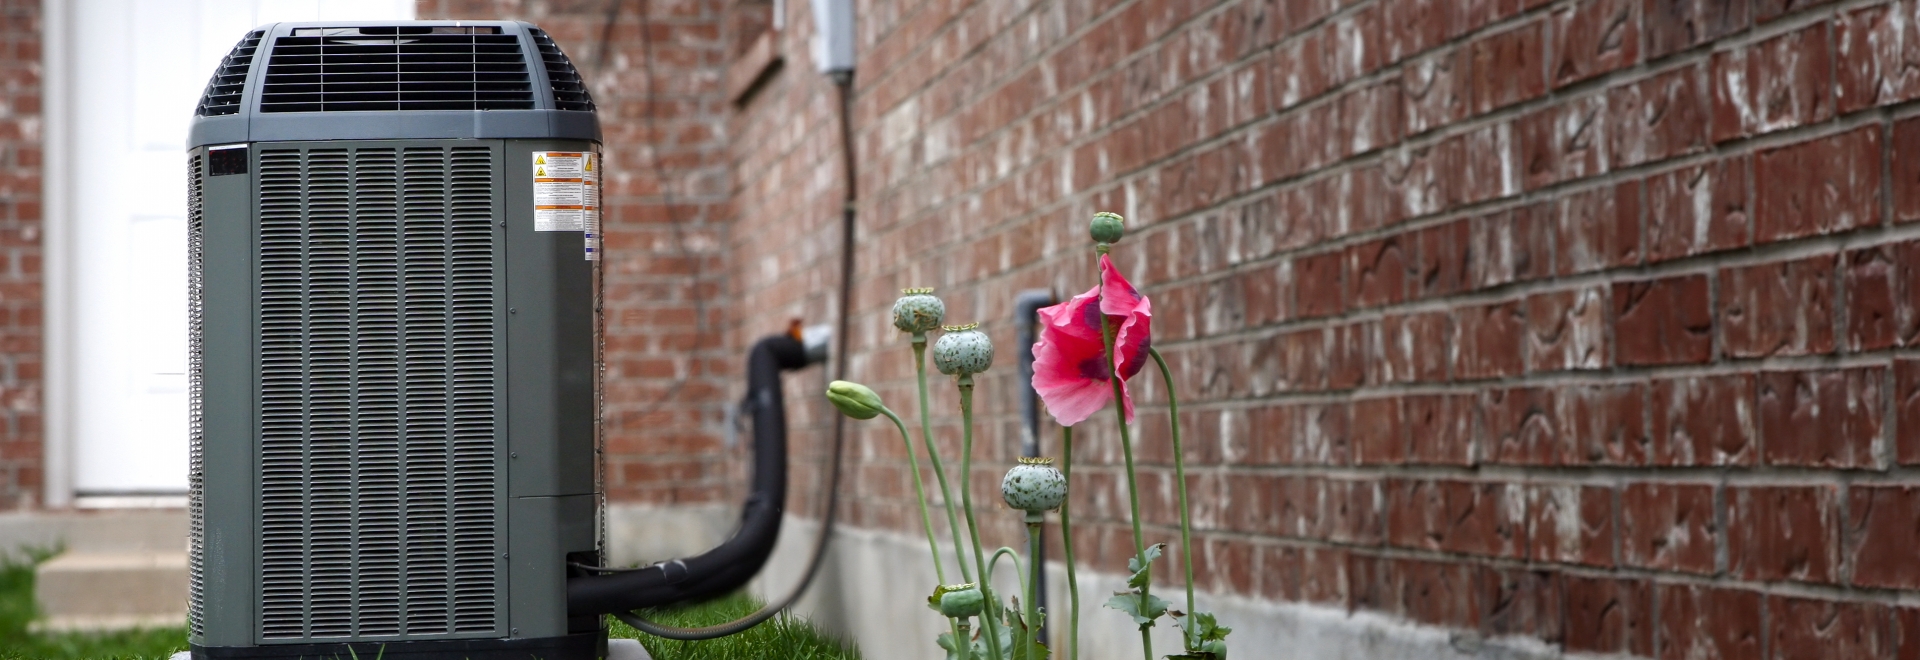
393 237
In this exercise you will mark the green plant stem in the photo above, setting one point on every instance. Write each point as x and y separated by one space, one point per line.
1034 519
993 565
964 642
1066 541
966 506
1126 449
920 492
933 454
1180 478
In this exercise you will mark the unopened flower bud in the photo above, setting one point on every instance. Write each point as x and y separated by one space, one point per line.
854 400
918 311
1034 486
963 350
1107 227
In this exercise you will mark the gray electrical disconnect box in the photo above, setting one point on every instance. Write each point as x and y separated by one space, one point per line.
393 237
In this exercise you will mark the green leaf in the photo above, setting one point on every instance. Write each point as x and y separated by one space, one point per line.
1021 638
1130 603
1141 569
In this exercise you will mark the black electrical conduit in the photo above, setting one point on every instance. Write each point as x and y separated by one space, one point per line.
596 590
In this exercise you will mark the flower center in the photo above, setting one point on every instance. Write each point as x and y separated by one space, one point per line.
1094 367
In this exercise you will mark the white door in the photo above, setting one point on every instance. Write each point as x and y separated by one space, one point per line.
137 69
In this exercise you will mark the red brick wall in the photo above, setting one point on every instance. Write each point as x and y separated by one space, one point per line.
670 362
21 312
1589 321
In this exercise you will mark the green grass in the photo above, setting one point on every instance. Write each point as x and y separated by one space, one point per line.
17 610
784 636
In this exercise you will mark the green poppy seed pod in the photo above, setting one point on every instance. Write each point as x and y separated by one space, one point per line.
918 310
1034 486
1107 227
854 400
964 350
962 600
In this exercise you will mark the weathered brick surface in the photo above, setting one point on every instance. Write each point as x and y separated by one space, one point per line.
1590 321
22 375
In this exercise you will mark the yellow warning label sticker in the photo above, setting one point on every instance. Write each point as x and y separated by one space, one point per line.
565 192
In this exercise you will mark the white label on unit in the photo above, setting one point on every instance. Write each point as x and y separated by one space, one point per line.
566 193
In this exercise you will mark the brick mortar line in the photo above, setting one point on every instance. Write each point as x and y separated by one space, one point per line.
1561 379
1596 85
1656 577
1612 476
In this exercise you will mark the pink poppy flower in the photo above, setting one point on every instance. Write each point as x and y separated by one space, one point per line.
1069 360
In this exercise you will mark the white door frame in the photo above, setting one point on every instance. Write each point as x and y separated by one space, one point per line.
58 448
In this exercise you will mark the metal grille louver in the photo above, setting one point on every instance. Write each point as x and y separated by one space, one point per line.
196 418
377 414
223 91
569 91
396 68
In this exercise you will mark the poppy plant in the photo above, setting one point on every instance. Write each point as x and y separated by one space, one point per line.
1070 361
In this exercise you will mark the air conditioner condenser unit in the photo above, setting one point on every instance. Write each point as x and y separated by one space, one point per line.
393 236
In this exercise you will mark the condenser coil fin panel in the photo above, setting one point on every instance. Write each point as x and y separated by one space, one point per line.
380 502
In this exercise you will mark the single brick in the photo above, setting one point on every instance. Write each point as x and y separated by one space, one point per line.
1905 154
1880 284
1440 428
1700 209
1609 615
1479 518
1571 524
1379 432
1767 10
1563 142
1599 229
1520 428
1444 259
1821 186
1809 628
1410 348
1566 330
1668 527
1435 88
1487 341
1829 418
1776 84
1784 533
1873 48
1781 308
1704 420
1522 602
1593 37
1602 424
1318 284
1675 25
1438 593
1379 271
1661 117
1512 246
1664 321
1708 623
1880 535
1508 67
1906 407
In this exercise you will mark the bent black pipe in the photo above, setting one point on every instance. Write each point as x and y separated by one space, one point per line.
725 568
